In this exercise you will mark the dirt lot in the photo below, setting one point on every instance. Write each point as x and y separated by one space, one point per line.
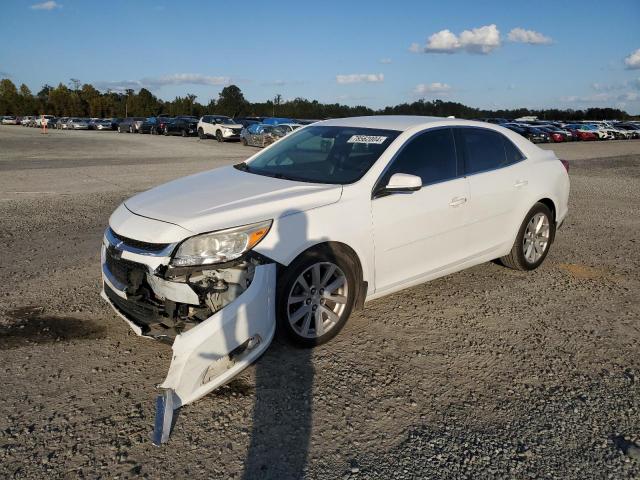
488 373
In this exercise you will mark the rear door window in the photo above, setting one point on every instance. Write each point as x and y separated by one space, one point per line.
485 149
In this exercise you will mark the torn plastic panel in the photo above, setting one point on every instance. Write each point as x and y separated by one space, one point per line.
219 318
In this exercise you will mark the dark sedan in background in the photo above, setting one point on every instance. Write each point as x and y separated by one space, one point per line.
185 126
532 134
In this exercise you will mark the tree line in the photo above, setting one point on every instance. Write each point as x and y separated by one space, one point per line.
84 100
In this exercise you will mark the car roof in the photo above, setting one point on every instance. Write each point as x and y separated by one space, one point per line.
399 122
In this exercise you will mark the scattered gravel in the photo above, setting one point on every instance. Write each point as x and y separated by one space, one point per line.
489 373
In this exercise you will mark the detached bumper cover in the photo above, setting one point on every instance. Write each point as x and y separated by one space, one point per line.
215 350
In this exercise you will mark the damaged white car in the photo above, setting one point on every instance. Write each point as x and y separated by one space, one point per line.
335 214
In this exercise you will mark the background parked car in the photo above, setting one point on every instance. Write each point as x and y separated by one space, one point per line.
259 135
219 127
555 135
148 125
579 133
78 124
9 120
633 129
61 123
287 128
532 134
42 118
276 121
129 124
114 122
246 121
101 124
185 126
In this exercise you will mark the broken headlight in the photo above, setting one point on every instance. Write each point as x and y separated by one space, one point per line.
221 246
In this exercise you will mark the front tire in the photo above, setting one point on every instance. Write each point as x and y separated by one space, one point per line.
219 136
244 141
315 296
533 240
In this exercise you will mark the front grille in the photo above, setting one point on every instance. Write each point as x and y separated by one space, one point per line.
138 312
126 272
150 247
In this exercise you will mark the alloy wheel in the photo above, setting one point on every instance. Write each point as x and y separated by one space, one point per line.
536 238
317 300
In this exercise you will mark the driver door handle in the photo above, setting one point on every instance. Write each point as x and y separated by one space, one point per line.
457 201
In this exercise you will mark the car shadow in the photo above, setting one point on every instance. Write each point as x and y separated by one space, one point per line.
283 409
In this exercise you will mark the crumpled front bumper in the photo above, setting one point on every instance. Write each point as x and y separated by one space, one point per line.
215 350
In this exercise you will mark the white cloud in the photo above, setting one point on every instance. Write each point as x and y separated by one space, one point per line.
633 60
602 97
595 98
531 37
436 87
482 40
443 41
50 5
629 97
385 61
185 79
158 82
360 78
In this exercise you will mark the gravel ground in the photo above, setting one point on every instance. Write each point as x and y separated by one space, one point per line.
489 373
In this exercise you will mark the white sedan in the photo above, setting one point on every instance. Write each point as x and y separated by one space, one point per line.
302 233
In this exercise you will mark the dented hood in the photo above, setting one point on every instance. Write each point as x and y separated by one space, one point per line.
227 197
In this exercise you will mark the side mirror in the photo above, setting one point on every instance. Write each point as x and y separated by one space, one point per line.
403 182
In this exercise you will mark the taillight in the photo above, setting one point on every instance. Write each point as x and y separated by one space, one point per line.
565 163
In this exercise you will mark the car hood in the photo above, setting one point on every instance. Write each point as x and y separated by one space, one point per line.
227 197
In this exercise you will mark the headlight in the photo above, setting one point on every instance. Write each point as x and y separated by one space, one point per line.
227 131
220 246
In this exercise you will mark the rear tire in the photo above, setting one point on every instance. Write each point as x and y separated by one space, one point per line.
533 240
201 134
304 307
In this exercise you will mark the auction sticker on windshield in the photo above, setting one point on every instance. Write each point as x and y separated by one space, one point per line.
367 139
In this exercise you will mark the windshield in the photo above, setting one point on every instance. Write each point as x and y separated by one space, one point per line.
227 121
336 155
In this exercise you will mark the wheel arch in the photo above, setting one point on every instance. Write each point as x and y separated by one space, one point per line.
549 204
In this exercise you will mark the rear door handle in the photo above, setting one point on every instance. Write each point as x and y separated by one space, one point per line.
457 201
520 183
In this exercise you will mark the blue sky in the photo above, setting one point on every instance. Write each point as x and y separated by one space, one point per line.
567 54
